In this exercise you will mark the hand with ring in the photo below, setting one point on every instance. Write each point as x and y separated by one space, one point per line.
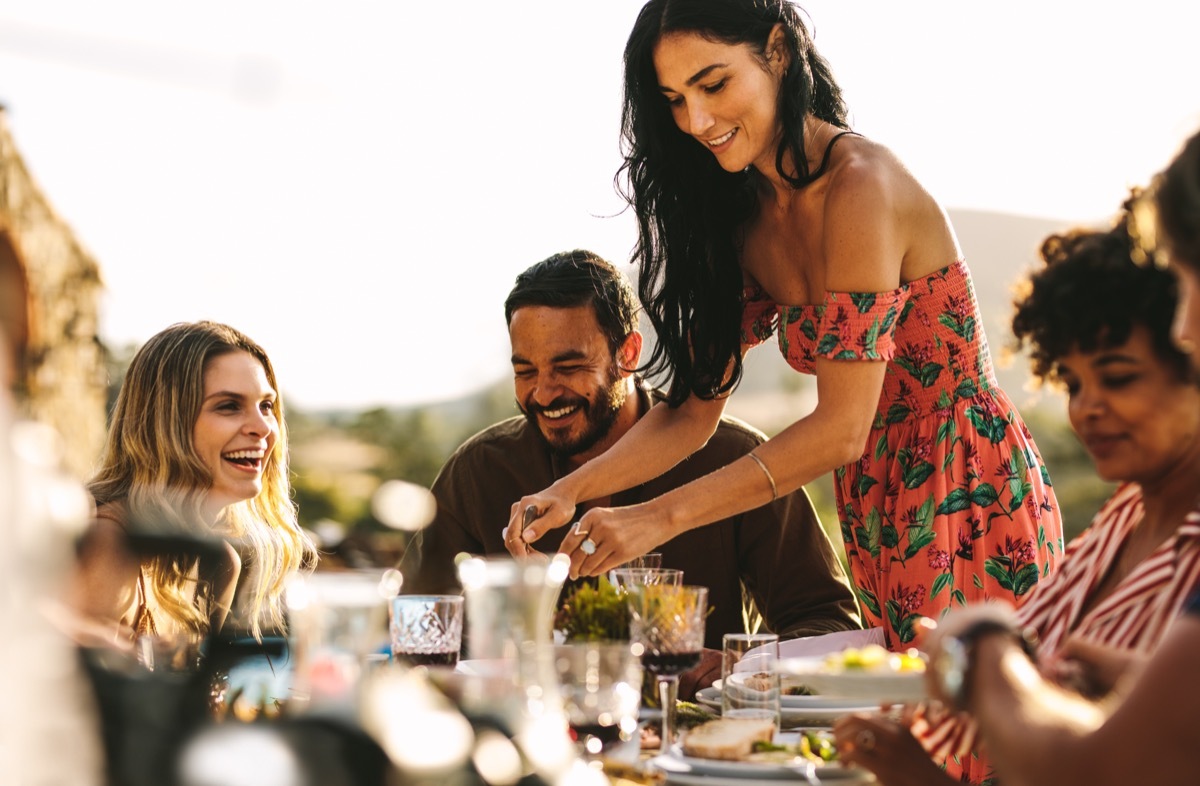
587 545
532 515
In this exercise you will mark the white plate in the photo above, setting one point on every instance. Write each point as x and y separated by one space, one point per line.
879 687
823 713
676 765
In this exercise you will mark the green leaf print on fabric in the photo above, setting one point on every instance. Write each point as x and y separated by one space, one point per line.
946 431
917 474
985 495
897 413
964 328
966 389
865 301
881 446
927 374
869 601
845 354
889 537
987 424
809 329
940 583
888 319
955 501
1013 567
827 343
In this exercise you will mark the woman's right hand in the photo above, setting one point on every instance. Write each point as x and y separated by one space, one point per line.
550 509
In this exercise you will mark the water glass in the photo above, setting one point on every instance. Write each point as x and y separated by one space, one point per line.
601 684
426 630
750 683
336 620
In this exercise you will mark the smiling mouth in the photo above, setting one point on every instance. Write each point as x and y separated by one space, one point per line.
246 459
721 139
561 412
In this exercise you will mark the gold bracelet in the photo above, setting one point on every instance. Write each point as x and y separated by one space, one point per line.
767 472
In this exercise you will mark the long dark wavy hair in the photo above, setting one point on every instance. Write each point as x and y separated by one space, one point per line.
688 208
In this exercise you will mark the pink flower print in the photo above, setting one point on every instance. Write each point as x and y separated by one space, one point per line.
938 559
912 600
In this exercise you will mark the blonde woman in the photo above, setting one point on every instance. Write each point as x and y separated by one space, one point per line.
197 448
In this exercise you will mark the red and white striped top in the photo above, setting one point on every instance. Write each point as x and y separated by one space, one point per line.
1139 610
1134 616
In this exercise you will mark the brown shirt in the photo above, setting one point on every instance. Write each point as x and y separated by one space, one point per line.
779 551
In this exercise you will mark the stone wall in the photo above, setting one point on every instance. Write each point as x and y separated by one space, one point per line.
62 380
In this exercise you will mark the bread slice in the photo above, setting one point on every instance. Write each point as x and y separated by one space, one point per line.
731 739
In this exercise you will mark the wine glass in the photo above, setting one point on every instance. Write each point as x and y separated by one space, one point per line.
667 621
625 578
651 560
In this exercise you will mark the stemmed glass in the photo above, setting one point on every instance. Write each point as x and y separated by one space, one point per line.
668 622
625 578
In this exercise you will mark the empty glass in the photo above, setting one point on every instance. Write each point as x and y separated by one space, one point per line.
601 685
336 620
750 676
426 630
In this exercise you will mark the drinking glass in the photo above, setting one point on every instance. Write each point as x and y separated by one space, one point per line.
601 684
336 619
750 676
651 560
426 630
668 622
624 578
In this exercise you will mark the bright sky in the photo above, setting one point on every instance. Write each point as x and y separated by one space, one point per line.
356 184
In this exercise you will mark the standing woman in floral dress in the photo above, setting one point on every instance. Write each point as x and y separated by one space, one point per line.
761 213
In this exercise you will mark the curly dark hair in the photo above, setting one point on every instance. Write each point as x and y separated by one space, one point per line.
1178 200
688 208
1091 294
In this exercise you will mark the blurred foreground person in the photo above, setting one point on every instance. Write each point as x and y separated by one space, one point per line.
572 322
1149 730
47 705
197 450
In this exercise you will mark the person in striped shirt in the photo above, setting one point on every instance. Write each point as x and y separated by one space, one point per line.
1148 729
1098 325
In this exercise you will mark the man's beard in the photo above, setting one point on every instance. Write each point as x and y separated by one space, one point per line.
599 417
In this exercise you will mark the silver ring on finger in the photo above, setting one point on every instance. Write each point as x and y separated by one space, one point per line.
588 546
865 740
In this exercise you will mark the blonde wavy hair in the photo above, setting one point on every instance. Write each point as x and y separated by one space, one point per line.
150 465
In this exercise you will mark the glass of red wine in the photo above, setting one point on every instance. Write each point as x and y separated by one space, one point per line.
426 630
667 622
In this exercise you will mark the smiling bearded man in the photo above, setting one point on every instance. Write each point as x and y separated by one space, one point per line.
572 323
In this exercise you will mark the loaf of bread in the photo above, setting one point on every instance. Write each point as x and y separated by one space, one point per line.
731 739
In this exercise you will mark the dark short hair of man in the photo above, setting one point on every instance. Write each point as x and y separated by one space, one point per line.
579 278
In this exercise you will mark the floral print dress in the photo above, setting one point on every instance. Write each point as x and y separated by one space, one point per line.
950 502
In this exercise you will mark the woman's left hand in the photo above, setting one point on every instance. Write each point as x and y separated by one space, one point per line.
615 535
888 749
